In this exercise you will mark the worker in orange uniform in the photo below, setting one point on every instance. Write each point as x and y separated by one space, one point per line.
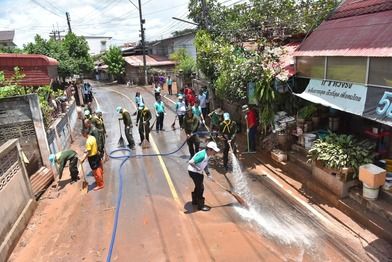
94 159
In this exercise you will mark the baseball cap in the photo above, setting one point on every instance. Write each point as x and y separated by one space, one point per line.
141 106
226 116
213 146
118 109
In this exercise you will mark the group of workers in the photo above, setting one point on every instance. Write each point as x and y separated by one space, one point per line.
95 133
191 116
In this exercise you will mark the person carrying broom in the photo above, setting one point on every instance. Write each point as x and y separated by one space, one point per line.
126 117
143 121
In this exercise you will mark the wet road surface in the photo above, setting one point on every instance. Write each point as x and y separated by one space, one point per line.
156 220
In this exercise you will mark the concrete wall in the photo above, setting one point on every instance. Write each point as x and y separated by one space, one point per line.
17 203
16 121
60 133
168 46
136 74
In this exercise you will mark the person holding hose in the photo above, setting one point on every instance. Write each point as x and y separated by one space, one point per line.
60 160
196 166
126 117
160 113
94 159
143 121
191 124
228 130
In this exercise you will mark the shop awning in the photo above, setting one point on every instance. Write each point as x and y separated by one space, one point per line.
371 102
360 35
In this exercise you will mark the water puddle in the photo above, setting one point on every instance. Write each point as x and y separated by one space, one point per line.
270 217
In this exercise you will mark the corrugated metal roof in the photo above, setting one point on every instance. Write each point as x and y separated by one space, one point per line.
7 35
364 35
26 60
355 7
151 60
34 67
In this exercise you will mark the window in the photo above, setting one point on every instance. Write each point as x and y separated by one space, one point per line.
380 71
311 66
350 69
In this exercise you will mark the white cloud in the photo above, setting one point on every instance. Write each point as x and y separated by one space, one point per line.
116 18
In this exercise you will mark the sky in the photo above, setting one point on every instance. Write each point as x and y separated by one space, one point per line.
118 19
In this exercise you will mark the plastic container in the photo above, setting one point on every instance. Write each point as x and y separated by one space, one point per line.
309 139
370 193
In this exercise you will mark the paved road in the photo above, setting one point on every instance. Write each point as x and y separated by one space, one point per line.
157 223
156 220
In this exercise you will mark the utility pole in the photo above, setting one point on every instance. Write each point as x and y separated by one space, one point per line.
68 22
142 29
204 14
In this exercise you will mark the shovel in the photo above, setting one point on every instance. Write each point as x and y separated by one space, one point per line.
121 140
84 183
239 199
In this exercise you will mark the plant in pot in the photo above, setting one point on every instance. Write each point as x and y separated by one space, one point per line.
342 153
304 116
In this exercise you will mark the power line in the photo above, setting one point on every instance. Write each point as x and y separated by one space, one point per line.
46 8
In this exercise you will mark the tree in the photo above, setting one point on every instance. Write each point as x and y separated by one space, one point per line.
265 24
71 53
185 63
116 63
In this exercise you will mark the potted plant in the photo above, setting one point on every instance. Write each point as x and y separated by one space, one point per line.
341 154
304 117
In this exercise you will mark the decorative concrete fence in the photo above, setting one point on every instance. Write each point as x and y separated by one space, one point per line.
17 201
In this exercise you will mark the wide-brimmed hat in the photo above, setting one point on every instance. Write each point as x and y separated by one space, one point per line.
219 111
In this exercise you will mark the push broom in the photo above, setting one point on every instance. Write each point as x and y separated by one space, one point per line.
121 140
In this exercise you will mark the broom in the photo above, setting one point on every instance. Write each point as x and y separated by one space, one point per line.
174 122
145 143
239 199
121 140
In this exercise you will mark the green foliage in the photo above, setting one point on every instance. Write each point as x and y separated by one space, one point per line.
10 50
185 63
340 151
307 111
116 63
72 53
183 32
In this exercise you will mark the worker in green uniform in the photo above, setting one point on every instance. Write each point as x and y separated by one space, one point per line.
190 125
60 159
97 121
126 117
228 131
143 121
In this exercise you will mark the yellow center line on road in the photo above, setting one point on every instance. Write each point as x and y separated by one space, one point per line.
162 163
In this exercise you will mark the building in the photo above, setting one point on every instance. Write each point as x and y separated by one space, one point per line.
98 44
39 70
167 46
7 39
346 63
134 66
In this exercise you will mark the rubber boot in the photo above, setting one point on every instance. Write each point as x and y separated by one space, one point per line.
194 199
201 205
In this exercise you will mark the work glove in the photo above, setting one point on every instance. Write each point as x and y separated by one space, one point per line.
229 141
157 115
203 122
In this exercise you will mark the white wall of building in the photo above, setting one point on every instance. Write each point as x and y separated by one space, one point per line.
98 44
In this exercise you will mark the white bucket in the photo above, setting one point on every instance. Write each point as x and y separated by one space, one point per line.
309 139
370 193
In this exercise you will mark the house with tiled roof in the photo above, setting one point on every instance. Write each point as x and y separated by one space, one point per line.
346 63
7 38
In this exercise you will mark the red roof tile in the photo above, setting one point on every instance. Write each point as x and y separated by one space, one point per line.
360 7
